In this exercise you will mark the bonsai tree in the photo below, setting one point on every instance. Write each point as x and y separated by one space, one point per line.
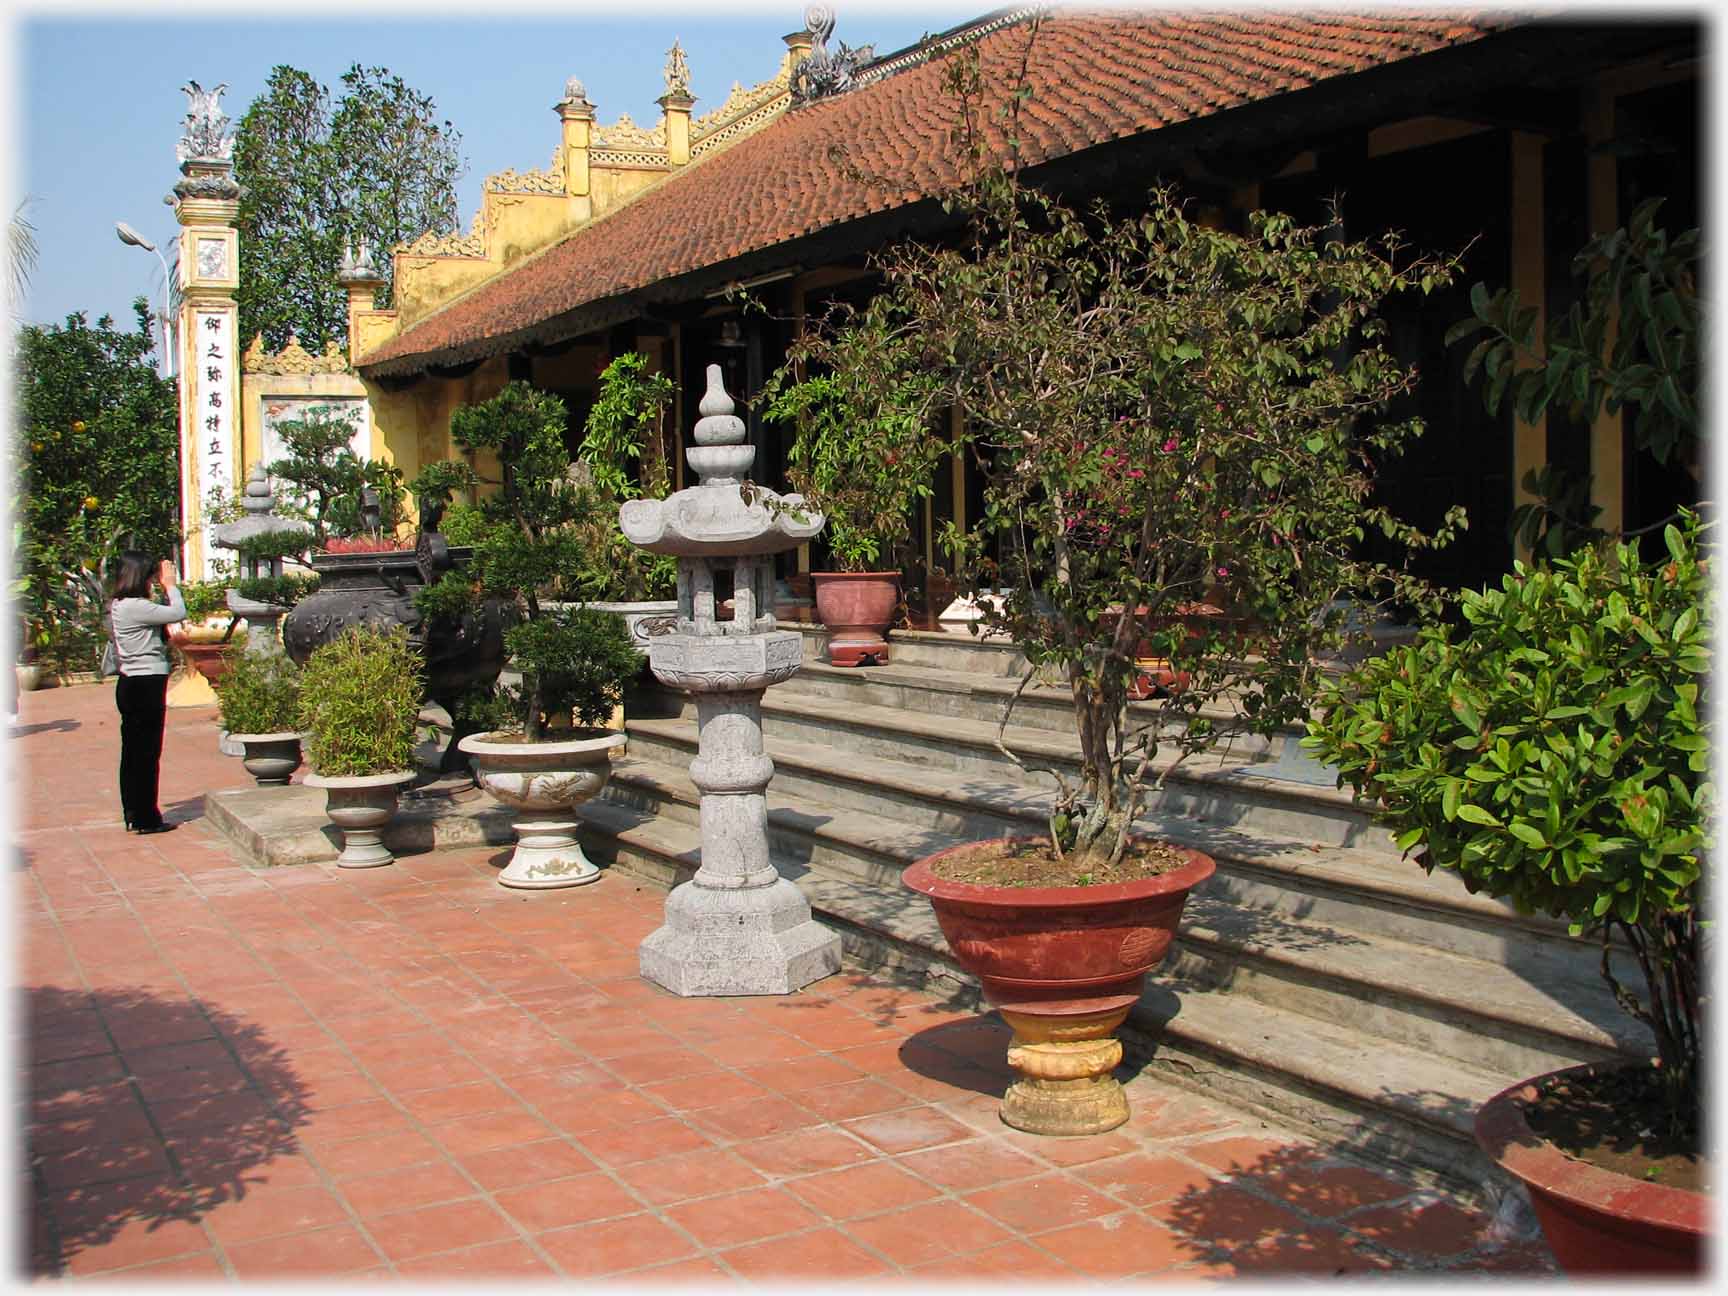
359 703
864 452
1169 417
624 450
533 544
259 693
323 480
1552 753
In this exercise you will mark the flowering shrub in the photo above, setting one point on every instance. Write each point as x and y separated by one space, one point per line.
1167 414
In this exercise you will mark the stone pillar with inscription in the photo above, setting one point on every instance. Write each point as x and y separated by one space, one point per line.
737 927
206 201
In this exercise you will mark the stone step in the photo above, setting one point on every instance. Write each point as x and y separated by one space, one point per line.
1224 787
948 649
872 818
970 696
1528 1006
1322 1075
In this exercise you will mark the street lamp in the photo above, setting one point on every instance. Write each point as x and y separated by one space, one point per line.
133 238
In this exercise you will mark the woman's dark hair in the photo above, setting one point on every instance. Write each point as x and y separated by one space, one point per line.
132 576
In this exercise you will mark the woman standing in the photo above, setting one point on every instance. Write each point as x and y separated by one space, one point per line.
141 692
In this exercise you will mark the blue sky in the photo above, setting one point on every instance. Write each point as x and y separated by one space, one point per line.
96 105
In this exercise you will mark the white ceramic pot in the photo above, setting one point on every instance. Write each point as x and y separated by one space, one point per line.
269 758
543 782
360 805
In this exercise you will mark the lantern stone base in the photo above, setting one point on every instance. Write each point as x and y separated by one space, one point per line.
739 941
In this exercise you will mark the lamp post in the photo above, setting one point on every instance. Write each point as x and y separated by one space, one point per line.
133 238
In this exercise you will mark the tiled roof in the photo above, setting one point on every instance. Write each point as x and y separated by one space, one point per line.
1095 78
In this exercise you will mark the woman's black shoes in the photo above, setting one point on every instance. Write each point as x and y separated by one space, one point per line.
156 828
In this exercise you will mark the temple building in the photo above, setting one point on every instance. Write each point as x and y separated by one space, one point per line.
1515 137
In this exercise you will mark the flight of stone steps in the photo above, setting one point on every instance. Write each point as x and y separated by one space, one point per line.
1319 978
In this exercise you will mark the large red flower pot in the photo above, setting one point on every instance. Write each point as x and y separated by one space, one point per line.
1063 965
203 650
1597 1222
857 608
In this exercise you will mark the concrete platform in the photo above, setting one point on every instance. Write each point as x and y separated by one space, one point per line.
287 825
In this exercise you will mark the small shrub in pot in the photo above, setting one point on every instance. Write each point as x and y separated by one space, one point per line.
359 701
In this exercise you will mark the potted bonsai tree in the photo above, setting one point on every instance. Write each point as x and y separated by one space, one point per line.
1551 751
1165 413
207 630
359 701
544 750
625 438
864 454
258 699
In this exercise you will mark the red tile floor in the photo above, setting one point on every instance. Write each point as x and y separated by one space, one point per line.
410 1071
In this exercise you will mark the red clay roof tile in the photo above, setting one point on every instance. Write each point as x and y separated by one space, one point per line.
1095 77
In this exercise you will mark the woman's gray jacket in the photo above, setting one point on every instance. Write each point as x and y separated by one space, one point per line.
138 639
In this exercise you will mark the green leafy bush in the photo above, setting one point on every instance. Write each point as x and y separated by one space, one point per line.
259 693
866 448
542 536
204 599
359 700
283 591
1554 755
574 660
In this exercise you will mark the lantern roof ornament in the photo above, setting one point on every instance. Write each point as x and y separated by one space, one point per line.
723 515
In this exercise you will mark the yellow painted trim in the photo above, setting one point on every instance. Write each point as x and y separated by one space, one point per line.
1607 467
1529 440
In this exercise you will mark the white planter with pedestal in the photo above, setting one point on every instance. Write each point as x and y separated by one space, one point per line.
543 782
360 805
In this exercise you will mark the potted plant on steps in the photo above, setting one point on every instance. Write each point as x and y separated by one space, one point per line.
1553 754
258 701
864 455
203 637
624 453
545 750
359 700
1163 411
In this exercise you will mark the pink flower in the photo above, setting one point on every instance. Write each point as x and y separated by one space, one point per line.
1169 445
1223 571
1135 473
1223 513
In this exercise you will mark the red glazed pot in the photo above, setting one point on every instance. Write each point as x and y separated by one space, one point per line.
1063 965
1048 946
857 608
1596 1221
206 658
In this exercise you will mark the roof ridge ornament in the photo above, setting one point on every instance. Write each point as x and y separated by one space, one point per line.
677 70
822 73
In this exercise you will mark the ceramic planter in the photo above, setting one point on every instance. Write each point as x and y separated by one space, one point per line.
360 805
857 608
543 782
203 646
1597 1223
1063 965
645 619
269 758
29 676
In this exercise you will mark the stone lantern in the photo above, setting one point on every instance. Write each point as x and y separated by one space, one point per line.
737 927
258 520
